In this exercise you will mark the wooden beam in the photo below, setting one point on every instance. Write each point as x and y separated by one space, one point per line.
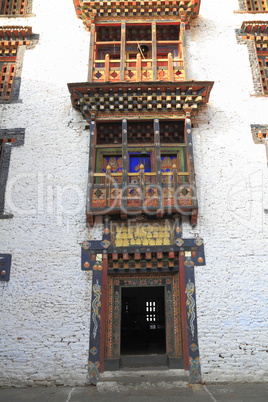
123 51
158 161
190 160
138 67
154 50
107 67
125 165
182 51
91 52
91 167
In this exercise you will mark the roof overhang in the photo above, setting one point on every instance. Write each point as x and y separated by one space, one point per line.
110 100
97 11
255 30
17 35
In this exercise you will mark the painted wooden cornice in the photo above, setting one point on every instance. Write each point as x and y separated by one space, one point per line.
255 30
104 11
106 99
16 36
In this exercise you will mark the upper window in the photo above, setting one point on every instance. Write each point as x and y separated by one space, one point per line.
138 53
257 6
14 40
15 7
255 32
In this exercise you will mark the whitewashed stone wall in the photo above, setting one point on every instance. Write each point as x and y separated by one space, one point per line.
45 306
233 186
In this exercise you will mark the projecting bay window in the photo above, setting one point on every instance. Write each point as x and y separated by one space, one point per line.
257 6
7 71
255 32
18 8
262 54
140 166
14 40
129 52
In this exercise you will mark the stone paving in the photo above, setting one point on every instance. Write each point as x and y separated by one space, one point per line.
231 392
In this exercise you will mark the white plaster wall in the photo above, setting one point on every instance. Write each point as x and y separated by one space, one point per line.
232 191
45 306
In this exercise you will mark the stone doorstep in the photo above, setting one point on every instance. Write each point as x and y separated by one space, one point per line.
133 380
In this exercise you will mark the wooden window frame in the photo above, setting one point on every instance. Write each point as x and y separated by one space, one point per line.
256 6
16 8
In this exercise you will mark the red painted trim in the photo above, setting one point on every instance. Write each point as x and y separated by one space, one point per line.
185 345
103 310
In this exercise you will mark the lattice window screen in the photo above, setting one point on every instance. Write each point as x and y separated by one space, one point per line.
13 7
257 5
263 63
7 71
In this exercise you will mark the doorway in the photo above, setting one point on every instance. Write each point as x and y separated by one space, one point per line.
143 329
156 297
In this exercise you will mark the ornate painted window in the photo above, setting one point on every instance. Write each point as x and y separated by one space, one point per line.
8 139
255 34
256 6
19 8
13 42
134 52
145 167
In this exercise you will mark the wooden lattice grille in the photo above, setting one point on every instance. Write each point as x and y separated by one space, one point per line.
3 141
7 71
257 5
263 63
13 7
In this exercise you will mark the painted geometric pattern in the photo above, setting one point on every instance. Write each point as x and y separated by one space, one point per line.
98 76
147 75
130 75
168 196
114 76
134 193
142 261
178 75
115 197
151 192
150 234
185 196
164 76
98 198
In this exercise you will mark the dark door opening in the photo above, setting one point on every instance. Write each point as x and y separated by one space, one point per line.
143 320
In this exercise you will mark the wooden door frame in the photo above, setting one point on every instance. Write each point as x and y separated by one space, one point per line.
173 316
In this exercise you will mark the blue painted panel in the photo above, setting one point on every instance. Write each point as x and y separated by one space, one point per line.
135 160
